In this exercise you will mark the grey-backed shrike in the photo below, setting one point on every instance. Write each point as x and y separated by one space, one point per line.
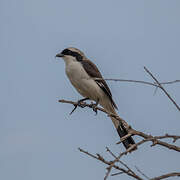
81 72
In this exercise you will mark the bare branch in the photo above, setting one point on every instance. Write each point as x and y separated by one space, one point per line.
174 137
115 174
155 140
90 106
142 173
111 164
108 172
125 165
167 176
131 131
161 87
170 82
138 81
129 171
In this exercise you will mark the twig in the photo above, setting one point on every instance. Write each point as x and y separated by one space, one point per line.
167 176
170 82
100 158
108 172
112 154
125 165
96 108
142 173
115 174
134 132
174 137
161 87
137 81
129 171
155 140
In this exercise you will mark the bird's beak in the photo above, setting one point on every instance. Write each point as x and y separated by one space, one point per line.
59 55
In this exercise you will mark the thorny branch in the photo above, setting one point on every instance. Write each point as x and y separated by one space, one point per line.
142 173
156 140
146 138
166 176
162 88
156 84
139 81
125 170
100 158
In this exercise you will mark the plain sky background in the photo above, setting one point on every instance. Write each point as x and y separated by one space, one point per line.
38 138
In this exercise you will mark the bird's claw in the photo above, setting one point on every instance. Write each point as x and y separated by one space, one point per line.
80 104
94 107
95 110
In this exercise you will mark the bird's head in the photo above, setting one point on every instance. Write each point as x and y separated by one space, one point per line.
71 54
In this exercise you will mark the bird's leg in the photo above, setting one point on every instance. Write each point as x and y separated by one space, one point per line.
80 101
94 106
79 104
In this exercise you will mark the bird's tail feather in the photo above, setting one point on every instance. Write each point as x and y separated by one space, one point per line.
120 126
122 132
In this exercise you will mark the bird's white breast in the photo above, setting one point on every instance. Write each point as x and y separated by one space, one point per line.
81 81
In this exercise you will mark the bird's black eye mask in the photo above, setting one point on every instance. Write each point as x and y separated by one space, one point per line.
72 53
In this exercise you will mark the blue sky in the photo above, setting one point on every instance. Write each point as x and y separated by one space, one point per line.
38 138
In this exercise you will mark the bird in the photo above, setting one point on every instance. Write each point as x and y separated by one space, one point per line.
88 81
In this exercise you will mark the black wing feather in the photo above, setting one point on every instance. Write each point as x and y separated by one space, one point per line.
93 72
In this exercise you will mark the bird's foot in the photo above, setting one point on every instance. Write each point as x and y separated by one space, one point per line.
80 104
94 107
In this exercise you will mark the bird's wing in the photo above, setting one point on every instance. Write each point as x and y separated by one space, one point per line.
93 72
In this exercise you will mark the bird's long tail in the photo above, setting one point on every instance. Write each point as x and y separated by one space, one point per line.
120 127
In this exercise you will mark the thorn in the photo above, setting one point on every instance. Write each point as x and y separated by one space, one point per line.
75 106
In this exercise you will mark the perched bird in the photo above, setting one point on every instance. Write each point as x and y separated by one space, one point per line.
82 73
